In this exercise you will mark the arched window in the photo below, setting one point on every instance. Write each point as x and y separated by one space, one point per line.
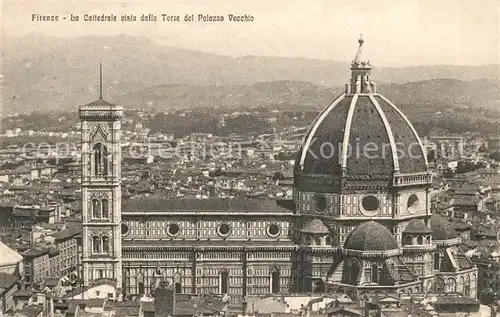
428 239
100 153
408 240
420 240
105 244
307 240
96 212
317 241
96 244
467 286
437 265
374 273
319 287
451 285
351 272
439 286
328 240
104 206
178 288
275 282
460 286
224 282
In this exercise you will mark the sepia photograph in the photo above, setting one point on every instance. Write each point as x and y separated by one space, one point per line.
250 158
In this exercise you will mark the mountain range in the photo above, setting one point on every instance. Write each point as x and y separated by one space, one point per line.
41 72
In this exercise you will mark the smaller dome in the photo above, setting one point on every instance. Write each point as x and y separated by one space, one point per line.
371 236
442 229
417 226
315 226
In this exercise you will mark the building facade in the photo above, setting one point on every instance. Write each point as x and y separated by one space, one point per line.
36 264
359 222
67 243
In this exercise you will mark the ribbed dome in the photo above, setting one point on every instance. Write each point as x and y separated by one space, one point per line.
442 229
371 236
374 129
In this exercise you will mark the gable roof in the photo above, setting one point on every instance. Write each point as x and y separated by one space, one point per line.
9 256
205 205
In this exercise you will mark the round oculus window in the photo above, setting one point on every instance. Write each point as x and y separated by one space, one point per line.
273 230
173 229
124 228
224 230
412 204
320 203
370 205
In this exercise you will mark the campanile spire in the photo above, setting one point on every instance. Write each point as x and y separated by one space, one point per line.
361 82
357 59
100 80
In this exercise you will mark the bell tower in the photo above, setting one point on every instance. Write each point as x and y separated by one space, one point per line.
101 189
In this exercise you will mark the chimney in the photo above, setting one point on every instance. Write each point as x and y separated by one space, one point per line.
164 300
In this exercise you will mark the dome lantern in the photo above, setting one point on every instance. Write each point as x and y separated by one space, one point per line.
361 82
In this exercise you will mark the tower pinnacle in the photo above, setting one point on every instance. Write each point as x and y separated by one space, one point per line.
100 80
361 82
357 59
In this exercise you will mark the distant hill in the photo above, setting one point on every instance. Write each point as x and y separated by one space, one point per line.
43 72
432 94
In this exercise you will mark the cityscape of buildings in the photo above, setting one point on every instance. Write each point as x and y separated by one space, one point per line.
117 221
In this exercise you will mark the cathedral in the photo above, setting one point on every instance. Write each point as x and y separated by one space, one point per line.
360 220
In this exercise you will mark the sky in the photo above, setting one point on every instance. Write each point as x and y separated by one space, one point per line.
396 33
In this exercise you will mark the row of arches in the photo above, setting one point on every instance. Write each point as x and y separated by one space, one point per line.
317 240
224 283
451 285
417 240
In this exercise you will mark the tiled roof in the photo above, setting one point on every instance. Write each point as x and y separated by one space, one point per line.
35 252
463 201
417 226
442 229
315 226
126 311
66 234
32 310
99 103
205 243
205 205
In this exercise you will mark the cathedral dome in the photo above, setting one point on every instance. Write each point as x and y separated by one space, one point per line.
362 135
315 226
442 229
371 236
417 226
